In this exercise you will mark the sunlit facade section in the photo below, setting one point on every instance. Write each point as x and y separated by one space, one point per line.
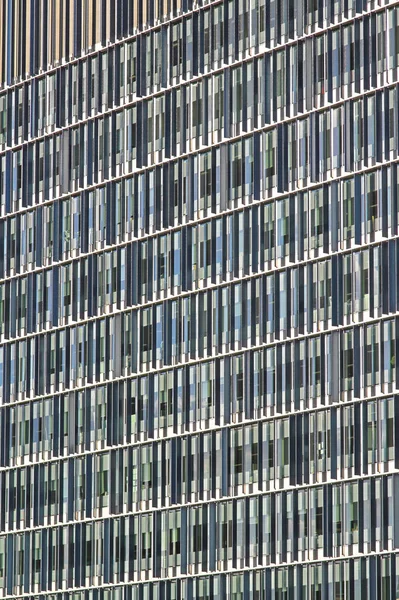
38 35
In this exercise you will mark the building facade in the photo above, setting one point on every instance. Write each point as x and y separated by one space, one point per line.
199 299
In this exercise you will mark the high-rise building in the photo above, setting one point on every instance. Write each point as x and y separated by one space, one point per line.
199 299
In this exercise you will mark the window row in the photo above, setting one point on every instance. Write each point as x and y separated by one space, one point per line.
364 578
339 290
175 331
357 134
338 443
356 362
310 524
357 210
324 68
190 399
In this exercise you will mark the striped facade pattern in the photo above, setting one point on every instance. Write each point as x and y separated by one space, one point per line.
199 300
